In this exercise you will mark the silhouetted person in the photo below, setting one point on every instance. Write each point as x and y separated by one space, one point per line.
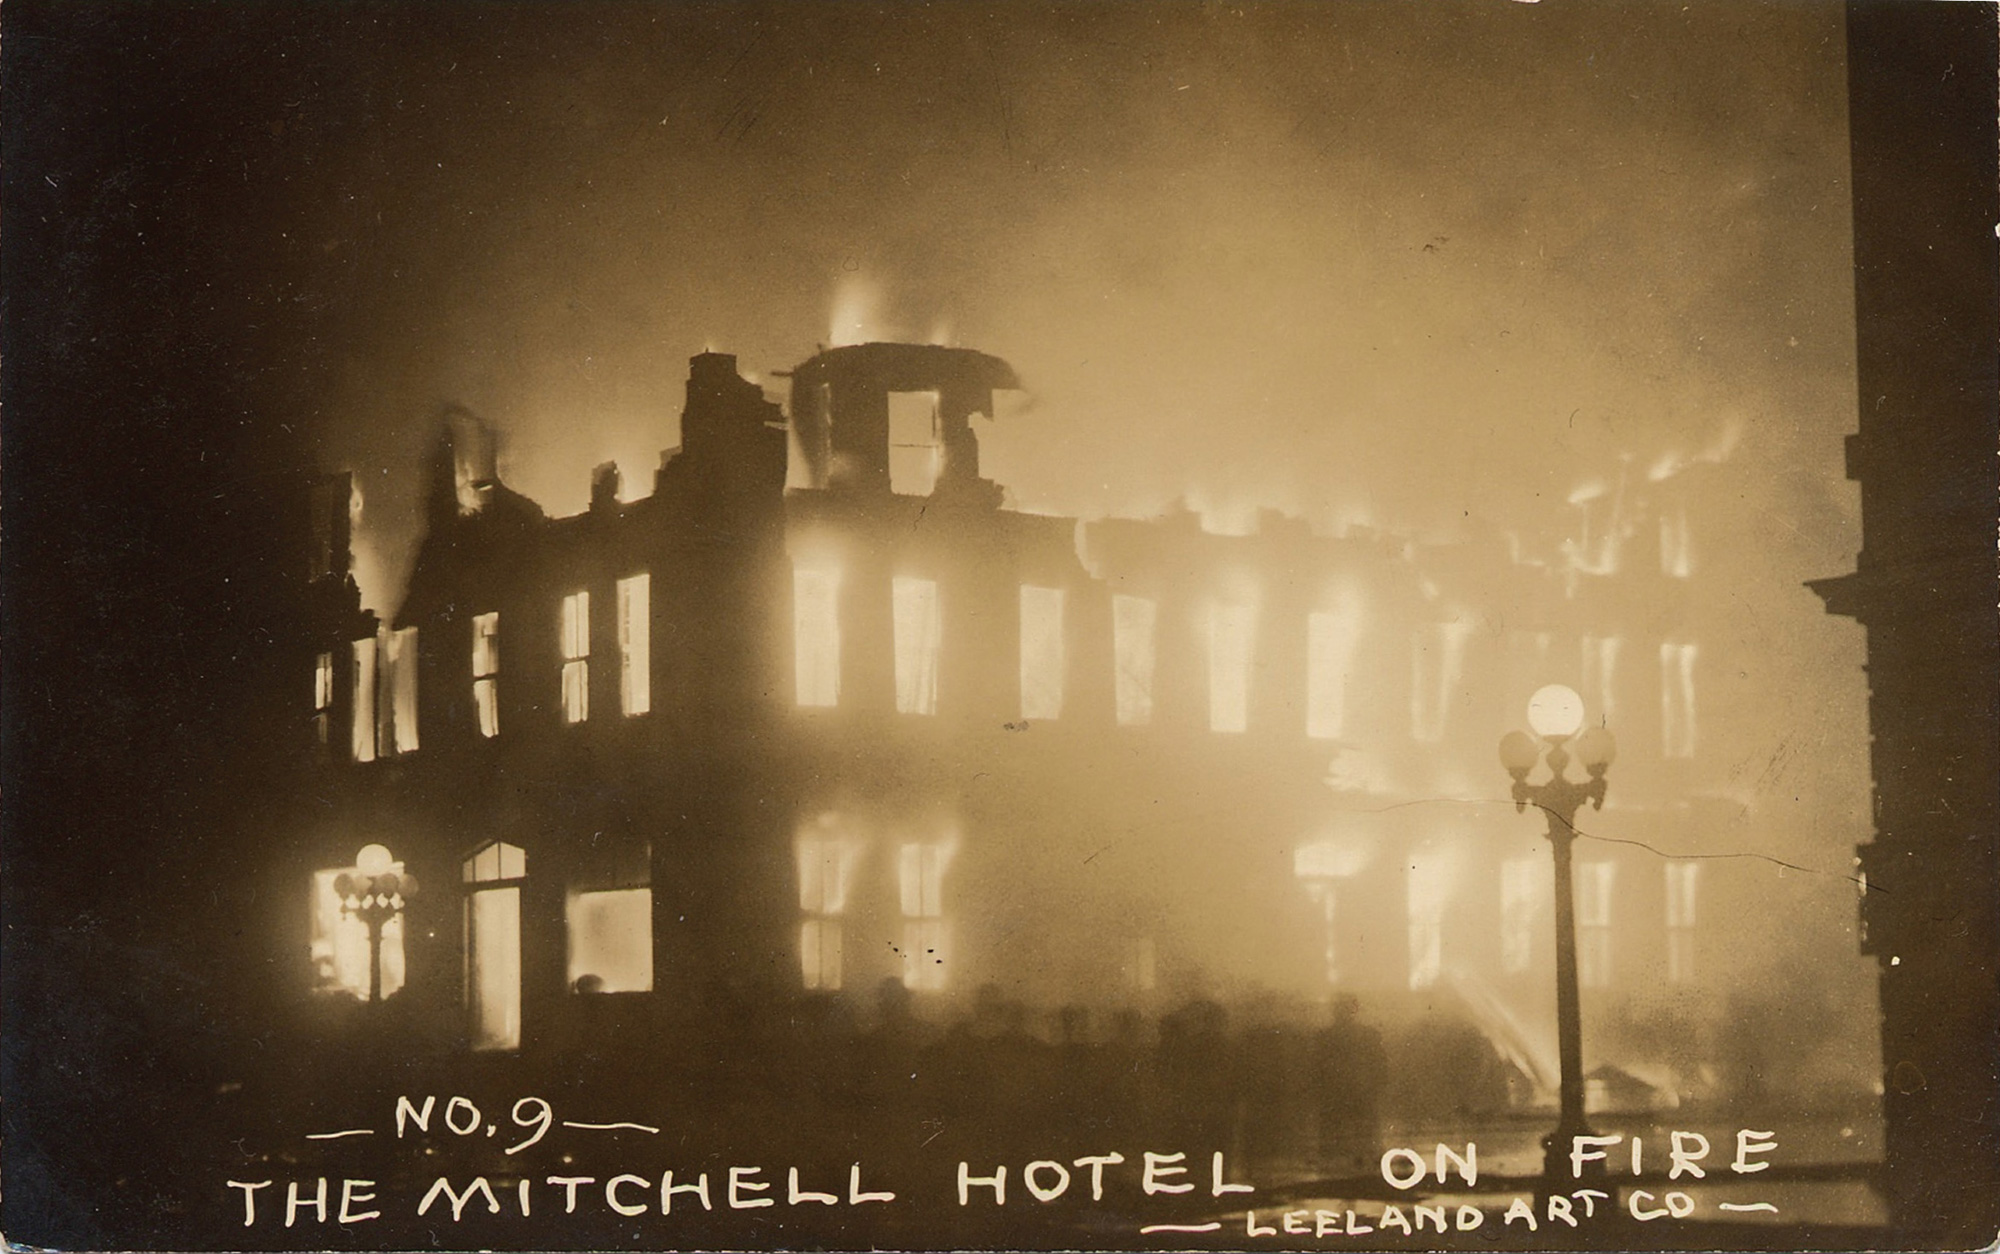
889 1080
1197 1076
1351 1067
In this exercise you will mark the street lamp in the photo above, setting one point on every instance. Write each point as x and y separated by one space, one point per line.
374 893
1556 714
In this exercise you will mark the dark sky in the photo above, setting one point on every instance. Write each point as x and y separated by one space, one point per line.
1407 265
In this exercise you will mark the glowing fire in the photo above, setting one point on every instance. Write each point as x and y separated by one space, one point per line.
856 302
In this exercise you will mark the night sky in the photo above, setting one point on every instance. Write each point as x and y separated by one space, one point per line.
1409 266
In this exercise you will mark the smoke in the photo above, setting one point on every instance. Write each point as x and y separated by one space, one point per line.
1423 268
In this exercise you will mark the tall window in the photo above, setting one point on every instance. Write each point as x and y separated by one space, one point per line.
635 644
493 944
1676 553
1428 892
1322 866
609 910
1132 646
1231 634
576 657
914 448
339 944
919 622
816 636
1677 724
403 690
486 672
826 866
1041 652
1523 889
1321 891
1682 878
323 696
1600 676
1437 664
362 737
1331 636
1594 882
920 871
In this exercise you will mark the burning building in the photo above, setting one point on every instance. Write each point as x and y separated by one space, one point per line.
737 744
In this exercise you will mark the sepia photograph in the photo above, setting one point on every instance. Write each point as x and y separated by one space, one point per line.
1274 625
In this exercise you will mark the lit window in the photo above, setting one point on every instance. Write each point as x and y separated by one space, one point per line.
1681 880
340 951
323 696
493 944
1437 659
610 916
1677 700
816 636
919 622
1320 890
1428 891
1330 640
1041 652
486 672
1676 553
1132 644
402 663
1231 630
363 731
1600 673
635 644
826 865
1594 881
1522 883
576 657
914 451
921 879
611 940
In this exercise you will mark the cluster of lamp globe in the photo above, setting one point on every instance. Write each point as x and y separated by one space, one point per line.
1555 713
374 882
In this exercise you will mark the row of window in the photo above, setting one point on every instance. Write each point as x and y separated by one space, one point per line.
826 868
917 625
609 923
1332 638
1431 890
635 651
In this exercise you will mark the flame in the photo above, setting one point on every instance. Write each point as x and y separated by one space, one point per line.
1673 462
855 303
1725 441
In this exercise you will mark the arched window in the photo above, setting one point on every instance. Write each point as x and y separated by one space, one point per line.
493 876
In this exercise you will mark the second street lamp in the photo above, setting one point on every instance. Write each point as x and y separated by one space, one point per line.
1556 715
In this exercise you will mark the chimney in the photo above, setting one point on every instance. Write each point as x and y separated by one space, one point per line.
604 487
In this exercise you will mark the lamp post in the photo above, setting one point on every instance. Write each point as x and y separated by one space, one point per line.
1556 714
374 893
